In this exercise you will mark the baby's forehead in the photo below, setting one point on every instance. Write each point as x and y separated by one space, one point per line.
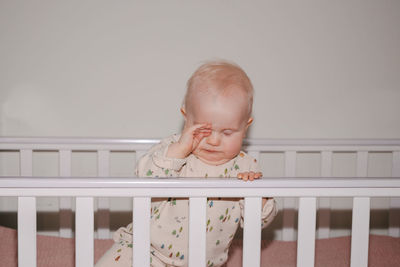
234 104
215 89
212 95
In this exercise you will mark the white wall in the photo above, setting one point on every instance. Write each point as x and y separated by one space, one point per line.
325 69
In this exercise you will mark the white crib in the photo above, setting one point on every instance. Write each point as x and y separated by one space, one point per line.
311 192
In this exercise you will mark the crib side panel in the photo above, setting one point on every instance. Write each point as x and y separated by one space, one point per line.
69 152
326 216
306 189
334 214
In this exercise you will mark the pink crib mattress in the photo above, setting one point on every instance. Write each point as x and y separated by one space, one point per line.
332 252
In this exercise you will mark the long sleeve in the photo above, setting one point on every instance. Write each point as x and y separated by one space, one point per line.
155 163
268 212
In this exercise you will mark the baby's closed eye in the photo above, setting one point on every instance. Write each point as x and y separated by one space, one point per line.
227 132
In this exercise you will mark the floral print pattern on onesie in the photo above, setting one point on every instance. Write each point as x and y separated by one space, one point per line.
169 217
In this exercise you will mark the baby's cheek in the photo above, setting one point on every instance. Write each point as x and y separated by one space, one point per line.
233 148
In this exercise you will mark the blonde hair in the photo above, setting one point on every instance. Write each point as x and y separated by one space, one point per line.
219 77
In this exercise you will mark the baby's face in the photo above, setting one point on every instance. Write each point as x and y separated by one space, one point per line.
229 122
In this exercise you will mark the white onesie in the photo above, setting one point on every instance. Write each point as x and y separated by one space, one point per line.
169 217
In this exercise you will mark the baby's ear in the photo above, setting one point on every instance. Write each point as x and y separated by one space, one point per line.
249 122
183 111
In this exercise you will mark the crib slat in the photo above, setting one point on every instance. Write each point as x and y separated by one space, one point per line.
252 232
65 202
103 203
26 213
197 231
65 162
25 162
394 217
103 163
326 163
360 232
290 163
26 232
84 227
289 204
362 164
360 221
324 204
394 212
306 232
396 164
141 231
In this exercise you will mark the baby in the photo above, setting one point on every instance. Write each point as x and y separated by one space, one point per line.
217 111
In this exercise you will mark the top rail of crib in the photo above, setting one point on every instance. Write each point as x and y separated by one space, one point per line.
200 187
75 143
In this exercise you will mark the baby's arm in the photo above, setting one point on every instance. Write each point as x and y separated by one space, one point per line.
268 211
167 158
189 140
155 163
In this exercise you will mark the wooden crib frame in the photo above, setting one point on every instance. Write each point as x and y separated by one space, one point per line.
307 190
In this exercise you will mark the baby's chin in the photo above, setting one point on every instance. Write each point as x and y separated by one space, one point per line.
211 160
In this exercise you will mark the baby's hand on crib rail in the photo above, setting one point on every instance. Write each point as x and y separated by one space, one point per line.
245 176
189 140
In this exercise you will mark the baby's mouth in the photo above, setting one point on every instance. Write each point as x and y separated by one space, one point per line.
210 151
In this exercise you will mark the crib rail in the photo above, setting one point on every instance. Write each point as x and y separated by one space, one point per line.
295 191
197 190
58 143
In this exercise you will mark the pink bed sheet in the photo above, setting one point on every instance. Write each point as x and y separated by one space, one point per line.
334 252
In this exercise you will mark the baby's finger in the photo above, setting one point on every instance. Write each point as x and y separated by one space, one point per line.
196 127
202 131
203 126
198 137
243 176
257 175
251 176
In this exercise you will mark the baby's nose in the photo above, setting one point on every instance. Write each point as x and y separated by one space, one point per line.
214 138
